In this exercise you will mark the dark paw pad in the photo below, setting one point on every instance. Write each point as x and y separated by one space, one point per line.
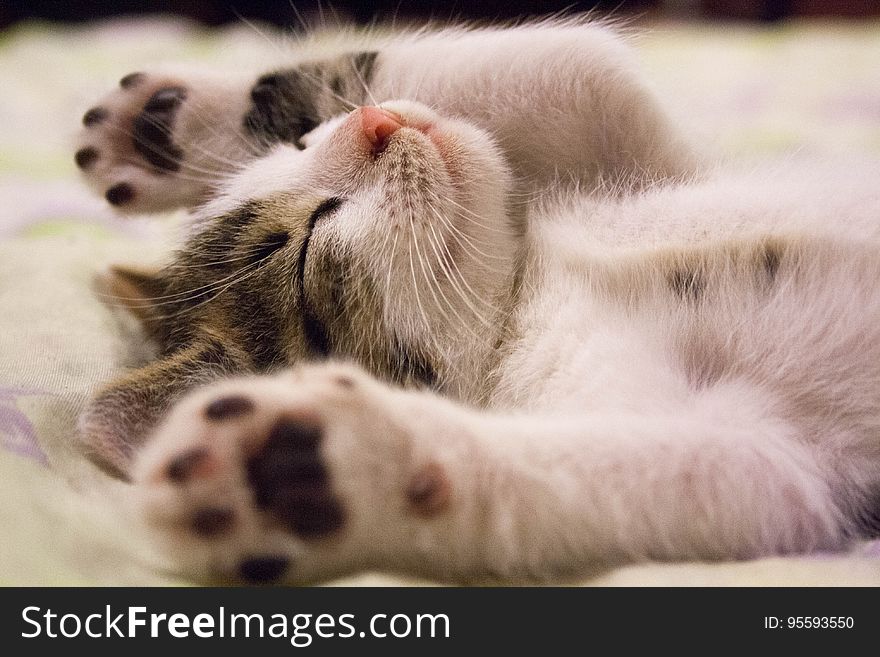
86 157
290 480
283 107
152 129
95 116
132 80
212 521
262 570
266 89
119 194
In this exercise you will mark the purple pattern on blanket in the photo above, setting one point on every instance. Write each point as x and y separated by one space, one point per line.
17 433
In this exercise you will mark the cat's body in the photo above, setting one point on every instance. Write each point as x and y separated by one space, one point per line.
640 360
714 346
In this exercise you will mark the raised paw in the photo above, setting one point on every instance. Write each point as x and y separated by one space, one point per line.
295 477
161 141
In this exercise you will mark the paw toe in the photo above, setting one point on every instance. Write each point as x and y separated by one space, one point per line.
262 570
86 157
120 194
132 80
95 116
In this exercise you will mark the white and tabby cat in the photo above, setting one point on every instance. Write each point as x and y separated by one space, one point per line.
571 347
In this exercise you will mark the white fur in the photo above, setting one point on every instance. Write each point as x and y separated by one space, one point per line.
569 107
591 414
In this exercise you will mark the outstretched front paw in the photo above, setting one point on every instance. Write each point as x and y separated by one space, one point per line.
162 141
296 477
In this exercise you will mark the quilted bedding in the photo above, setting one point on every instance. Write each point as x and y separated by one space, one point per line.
753 92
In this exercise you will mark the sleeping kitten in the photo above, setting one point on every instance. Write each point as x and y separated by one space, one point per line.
563 102
686 371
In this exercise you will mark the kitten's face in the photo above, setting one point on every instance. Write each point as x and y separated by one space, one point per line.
386 240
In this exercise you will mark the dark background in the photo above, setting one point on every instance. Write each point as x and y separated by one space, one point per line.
279 12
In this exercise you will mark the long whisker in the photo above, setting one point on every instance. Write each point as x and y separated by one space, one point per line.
448 259
391 260
441 258
412 269
214 263
458 279
243 277
203 114
226 162
299 16
436 285
465 241
367 89
180 297
452 362
470 216
272 42
210 177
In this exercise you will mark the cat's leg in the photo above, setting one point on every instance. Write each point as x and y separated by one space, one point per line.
163 140
323 471
124 411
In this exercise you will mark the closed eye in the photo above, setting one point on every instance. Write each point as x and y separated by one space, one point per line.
313 329
270 244
326 207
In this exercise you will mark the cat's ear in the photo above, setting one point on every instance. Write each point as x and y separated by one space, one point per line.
139 289
123 414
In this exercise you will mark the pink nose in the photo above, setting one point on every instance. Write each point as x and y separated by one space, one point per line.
378 126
